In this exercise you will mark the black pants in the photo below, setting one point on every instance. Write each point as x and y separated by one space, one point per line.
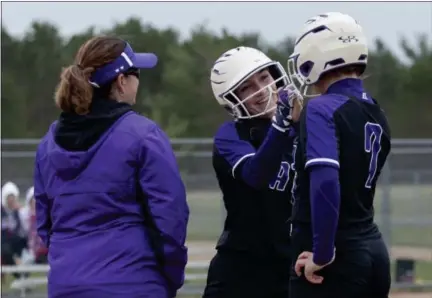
12 246
360 270
237 275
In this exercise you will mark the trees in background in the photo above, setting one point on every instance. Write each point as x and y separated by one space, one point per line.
177 93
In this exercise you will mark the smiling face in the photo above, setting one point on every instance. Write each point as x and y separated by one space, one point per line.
258 93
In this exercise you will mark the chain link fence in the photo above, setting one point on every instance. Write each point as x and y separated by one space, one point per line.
403 198
404 195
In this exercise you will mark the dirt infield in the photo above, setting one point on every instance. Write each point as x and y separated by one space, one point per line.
415 253
204 251
411 295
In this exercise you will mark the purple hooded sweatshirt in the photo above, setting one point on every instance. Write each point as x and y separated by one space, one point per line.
87 209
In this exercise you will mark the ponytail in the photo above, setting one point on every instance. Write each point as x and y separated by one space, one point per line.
74 93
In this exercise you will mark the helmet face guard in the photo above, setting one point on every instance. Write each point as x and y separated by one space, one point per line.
296 79
237 107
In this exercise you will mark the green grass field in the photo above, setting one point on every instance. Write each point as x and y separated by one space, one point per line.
408 203
409 206
423 272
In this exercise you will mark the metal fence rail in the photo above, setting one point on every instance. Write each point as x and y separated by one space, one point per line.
403 197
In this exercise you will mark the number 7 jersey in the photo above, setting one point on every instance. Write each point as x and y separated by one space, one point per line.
351 134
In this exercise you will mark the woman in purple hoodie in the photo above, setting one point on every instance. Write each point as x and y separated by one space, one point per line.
110 203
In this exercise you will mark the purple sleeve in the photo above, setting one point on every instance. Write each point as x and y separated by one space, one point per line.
322 160
161 183
255 167
43 218
325 201
231 147
322 142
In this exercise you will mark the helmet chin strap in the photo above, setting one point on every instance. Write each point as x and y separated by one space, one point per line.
305 92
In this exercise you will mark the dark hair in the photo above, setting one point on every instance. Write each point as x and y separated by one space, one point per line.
357 69
74 92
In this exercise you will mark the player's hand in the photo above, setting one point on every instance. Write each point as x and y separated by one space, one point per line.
305 260
289 106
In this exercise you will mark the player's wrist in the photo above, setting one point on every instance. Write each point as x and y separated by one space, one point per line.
321 262
324 259
280 128
281 123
